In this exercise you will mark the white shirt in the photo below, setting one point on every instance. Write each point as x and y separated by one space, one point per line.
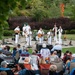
60 31
24 28
17 28
49 34
45 52
28 28
57 47
40 32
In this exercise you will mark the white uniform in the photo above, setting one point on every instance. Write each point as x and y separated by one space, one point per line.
28 35
55 34
49 37
23 29
29 38
40 39
59 35
28 28
17 35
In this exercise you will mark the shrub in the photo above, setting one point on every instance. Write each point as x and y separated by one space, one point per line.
8 32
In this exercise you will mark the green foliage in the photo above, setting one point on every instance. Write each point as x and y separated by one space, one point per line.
8 33
71 49
70 31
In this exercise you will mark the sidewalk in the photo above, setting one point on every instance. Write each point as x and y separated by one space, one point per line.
11 43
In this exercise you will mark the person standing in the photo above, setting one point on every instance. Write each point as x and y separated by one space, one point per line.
49 36
17 33
55 32
40 35
29 38
60 30
27 27
23 30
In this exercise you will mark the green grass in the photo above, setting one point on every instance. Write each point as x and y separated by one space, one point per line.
69 36
30 50
71 49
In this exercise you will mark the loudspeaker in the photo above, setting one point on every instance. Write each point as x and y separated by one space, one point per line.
49 46
39 46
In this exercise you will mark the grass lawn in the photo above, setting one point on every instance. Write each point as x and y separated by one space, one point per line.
69 36
71 49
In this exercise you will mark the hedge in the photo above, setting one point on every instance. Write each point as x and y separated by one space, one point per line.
66 23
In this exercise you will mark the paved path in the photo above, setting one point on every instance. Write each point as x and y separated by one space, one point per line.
10 42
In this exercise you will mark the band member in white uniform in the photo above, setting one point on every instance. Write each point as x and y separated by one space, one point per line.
28 27
49 36
60 30
29 38
55 32
40 35
17 33
23 30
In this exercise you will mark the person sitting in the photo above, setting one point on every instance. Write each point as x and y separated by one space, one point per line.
4 67
54 56
58 48
45 52
6 52
22 69
25 52
1 54
3 73
67 56
34 60
52 70
19 48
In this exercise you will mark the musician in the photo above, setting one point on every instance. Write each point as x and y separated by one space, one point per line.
17 32
49 36
24 29
40 35
60 30
29 38
27 27
55 32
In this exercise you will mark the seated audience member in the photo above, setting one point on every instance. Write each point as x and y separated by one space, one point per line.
67 56
45 52
25 52
52 70
4 65
14 51
58 48
19 48
22 69
8 48
34 59
6 52
53 56
3 73
1 54
72 60
68 65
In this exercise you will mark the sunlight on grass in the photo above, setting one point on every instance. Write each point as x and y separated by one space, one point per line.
71 49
